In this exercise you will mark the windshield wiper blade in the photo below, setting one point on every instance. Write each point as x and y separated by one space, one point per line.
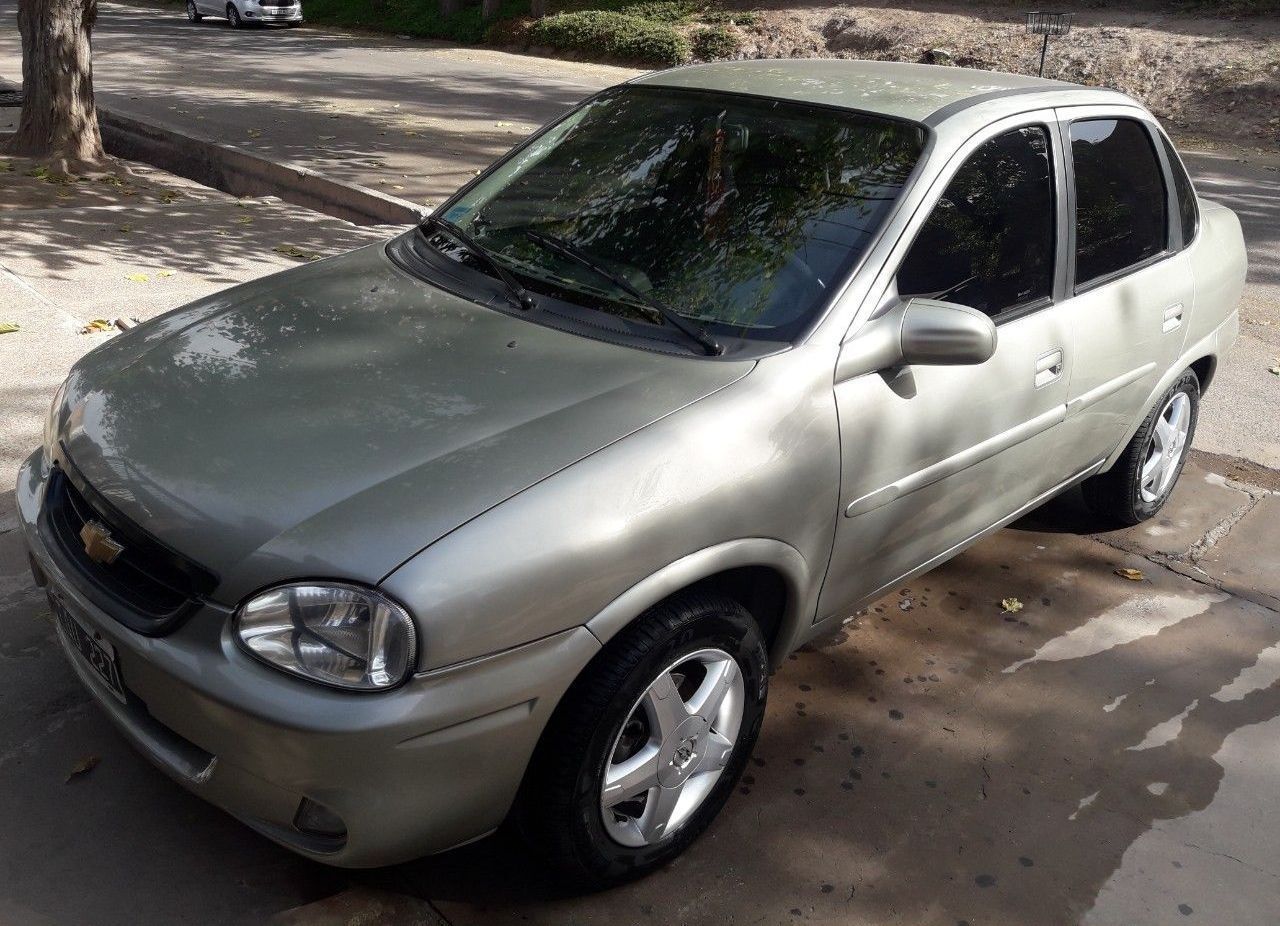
567 249
523 298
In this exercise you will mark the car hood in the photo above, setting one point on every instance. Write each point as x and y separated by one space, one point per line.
334 420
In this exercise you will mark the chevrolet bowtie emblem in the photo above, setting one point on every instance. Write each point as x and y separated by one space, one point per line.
98 545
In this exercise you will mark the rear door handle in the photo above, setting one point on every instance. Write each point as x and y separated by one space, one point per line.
1172 317
1048 367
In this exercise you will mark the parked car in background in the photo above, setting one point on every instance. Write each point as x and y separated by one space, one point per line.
241 13
513 516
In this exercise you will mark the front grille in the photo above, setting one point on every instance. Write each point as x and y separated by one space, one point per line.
276 2
148 587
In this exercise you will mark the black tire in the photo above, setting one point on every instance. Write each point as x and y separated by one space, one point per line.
559 810
193 15
1115 496
233 17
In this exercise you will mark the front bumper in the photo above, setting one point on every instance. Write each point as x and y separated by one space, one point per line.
273 14
420 769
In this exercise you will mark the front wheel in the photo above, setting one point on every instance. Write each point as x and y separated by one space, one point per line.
193 14
647 745
233 17
1142 480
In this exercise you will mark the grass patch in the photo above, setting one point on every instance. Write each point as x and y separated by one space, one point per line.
616 35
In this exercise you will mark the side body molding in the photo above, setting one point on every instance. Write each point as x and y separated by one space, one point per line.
735 554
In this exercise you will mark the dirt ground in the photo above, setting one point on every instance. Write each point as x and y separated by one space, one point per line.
1208 76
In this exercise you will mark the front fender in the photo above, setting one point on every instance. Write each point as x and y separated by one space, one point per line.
783 558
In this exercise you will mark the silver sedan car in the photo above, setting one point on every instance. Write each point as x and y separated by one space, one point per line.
242 13
511 517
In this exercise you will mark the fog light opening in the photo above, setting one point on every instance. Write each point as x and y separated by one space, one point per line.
318 820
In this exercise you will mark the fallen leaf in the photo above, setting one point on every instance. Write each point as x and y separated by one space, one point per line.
290 250
1010 606
124 228
1133 575
244 220
327 137
253 133
98 324
1274 371
138 278
83 767
5 167
8 328
165 273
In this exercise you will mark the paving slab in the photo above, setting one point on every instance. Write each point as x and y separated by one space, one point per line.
1247 560
1201 501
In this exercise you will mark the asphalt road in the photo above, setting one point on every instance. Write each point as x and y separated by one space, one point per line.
417 119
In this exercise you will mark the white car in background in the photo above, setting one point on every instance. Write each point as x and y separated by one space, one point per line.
242 13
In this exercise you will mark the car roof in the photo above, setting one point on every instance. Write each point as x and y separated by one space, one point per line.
919 92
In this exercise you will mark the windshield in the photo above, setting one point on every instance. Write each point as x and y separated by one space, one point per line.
738 213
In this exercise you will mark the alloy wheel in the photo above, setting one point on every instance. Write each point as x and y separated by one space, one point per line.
192 13
672 748
1168 444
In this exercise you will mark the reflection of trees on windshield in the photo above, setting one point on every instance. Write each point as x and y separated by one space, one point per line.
734 210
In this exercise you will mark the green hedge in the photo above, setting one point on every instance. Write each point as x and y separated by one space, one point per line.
715 42
411 17
618 35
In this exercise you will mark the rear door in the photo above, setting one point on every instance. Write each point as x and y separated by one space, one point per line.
1130 287
931 456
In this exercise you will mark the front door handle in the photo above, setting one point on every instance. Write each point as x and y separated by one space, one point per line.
1048 367
1172 317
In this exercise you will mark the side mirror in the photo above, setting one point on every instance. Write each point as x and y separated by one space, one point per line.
920 331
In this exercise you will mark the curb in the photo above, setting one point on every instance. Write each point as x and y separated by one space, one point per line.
240 173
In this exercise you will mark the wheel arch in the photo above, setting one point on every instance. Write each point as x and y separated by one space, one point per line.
768 577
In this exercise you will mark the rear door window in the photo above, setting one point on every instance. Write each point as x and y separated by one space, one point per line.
1188 212
989 242
1121 206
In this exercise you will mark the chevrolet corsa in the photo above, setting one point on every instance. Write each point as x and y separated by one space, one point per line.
511 518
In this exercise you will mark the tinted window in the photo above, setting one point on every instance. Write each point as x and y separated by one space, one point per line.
739 212
1120 198
989 241
1189 214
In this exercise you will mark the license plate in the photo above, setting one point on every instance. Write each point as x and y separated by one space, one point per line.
97 652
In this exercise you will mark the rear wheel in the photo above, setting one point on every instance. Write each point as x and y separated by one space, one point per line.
1142 480
646 746
233 17
193 14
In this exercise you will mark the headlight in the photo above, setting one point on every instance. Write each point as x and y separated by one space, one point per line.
336 634
51 419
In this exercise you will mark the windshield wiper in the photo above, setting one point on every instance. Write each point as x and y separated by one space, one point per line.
523 298
567 249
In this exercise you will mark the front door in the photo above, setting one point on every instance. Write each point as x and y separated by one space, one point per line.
933 455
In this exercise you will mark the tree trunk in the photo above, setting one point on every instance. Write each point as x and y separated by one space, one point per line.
538 8
489 8
59 121
449 7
